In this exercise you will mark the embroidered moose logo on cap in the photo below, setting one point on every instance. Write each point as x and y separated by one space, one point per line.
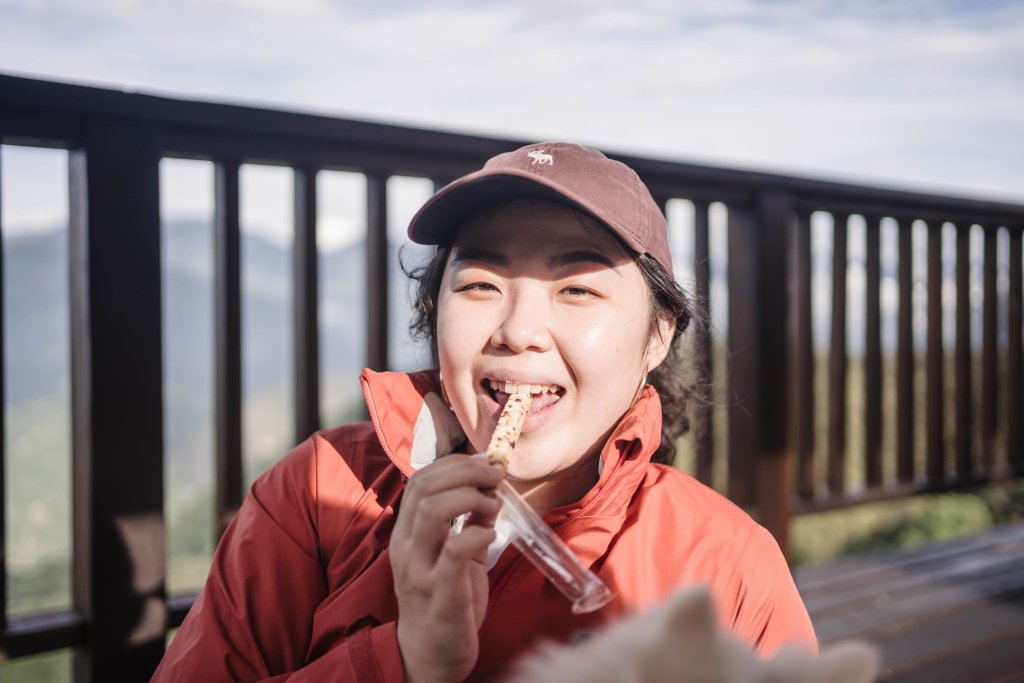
541 157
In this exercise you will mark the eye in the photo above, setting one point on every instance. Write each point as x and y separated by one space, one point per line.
478 290
481 287
577 292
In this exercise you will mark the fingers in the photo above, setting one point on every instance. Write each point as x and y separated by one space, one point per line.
459 550
435 512
447 473
441 580
485 518
452 471
434 495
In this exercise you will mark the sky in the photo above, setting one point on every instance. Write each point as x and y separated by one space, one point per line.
915 94
922 95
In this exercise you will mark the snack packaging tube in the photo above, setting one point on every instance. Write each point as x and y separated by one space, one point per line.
539 544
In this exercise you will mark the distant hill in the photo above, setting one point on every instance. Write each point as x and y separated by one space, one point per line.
37 364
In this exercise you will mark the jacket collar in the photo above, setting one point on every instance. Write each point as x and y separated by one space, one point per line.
415 427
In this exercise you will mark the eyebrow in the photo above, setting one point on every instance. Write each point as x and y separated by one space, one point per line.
568 258
580 256
481 256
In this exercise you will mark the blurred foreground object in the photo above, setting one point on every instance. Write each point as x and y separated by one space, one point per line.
680 642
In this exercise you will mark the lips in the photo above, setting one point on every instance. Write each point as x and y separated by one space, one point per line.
513 387
544 395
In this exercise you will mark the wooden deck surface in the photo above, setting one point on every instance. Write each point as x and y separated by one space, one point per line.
951 611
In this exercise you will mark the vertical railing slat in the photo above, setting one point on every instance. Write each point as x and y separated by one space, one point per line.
117 399
872 353
776 227
803 362
377 271
905 355
759 458
989 357
228 342
837 361
3 423
702 411
304 305
81 377
963 352
934 362
744 344
1015 378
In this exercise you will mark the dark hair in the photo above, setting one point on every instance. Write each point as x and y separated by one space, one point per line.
668 301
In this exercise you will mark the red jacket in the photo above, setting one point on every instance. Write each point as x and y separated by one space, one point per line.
301 587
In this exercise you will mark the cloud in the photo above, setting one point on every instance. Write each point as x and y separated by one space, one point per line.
921 93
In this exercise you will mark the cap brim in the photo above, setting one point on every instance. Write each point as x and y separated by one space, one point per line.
440 217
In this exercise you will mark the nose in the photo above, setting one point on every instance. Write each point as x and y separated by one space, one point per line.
524 326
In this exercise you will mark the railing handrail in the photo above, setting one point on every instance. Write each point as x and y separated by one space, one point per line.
661 174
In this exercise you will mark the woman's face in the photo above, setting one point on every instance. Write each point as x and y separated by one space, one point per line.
535 293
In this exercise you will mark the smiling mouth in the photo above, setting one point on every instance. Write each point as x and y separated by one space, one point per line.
544 394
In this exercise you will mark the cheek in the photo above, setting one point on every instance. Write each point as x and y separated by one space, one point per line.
458 342
450 325
447 340
593 338
450 351
609 344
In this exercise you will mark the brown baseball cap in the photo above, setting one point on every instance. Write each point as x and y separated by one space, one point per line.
584 179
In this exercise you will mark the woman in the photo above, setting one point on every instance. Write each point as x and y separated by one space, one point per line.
552 270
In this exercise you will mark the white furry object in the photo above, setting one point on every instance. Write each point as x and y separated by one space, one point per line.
680 642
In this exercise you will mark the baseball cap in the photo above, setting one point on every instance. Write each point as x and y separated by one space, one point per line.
584 179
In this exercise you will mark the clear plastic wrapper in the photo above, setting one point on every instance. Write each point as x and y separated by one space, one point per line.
538 543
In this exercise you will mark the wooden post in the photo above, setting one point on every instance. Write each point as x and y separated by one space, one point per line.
117 406
760 457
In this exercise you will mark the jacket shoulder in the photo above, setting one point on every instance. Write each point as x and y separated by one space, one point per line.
350 450
328 478
703 504
354 446
737 557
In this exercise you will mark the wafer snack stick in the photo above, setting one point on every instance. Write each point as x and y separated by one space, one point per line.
518 522
510 424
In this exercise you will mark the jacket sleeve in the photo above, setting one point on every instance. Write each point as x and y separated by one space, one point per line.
769 611
253 620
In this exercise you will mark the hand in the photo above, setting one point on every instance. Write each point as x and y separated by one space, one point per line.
441 580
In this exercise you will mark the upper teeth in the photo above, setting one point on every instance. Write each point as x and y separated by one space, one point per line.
516 388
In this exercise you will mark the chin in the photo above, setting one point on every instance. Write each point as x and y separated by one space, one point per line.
527 472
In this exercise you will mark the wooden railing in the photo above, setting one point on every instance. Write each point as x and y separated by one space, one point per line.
115 143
